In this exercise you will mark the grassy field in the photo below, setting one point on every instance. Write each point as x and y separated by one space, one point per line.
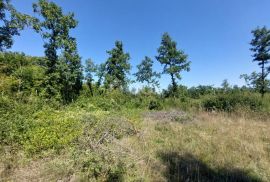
138 145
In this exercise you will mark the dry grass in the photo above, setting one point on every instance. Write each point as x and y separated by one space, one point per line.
212 147
177 147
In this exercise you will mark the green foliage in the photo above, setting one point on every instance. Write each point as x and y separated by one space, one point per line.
154 105
225 86
34 121
101 72
146 74
16 119
117 67
52 131
20 74
260 46
108 105
232 102
90 69
180 91
143 98
98 166
63 74
201 90
14 131
11 22
254 82
174 60
70 80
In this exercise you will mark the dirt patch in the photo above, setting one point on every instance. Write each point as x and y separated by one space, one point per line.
168 116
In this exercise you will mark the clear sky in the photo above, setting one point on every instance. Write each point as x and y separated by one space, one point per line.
214 33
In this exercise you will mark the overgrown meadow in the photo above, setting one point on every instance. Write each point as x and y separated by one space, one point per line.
60 121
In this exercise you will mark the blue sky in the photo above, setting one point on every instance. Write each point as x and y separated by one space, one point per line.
214 33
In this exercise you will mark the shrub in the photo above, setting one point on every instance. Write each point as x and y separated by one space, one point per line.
107 105
154 105
98 126
16 119
52 130
6 104
231 102
13 128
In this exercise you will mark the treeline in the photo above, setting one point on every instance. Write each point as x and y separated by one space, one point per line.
63 72
60 76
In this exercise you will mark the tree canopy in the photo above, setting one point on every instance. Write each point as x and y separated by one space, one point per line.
63 74
146 74
173 59
11 22
90 69
117 67
261 48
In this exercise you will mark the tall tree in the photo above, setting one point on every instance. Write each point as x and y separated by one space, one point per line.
174 60
64 74
11 22
146 74
225 85
261 48
100 71
117 67
71 76
90 69
253 81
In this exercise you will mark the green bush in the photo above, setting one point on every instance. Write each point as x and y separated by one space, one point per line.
107 105
154 105
16 118
52 130
231 102
14 128
6 104
98 166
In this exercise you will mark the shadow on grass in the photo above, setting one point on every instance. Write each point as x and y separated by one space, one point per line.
189 168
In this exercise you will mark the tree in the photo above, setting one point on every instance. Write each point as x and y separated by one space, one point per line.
71 76
63 74
174 60
20 74
146 74
11 23
90 69
261 48
117 67
100 71
225 85
253 81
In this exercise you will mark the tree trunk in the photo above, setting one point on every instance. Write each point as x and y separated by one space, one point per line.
174 85
90 88
263 81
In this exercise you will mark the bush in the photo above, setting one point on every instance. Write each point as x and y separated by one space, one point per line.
154 105
231 102
13 128
16 118
52 130
107 105
98 125
98 165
